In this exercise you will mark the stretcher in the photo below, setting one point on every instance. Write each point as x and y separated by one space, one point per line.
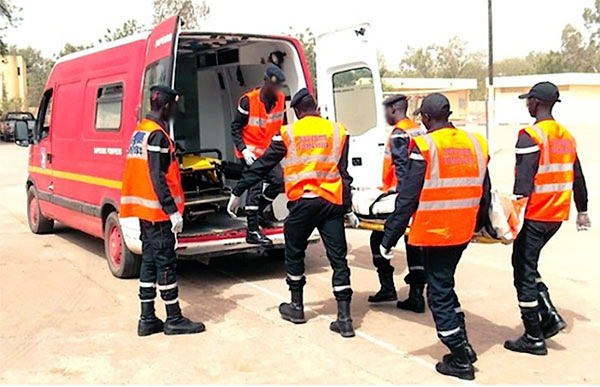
505 216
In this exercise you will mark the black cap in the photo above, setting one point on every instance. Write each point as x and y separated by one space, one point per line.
301 95
393 99
274 74
166 91
435 105
544 91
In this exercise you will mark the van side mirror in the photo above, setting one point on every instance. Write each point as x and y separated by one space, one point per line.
22 133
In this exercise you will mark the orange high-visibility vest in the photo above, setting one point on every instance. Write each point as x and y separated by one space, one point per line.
262 126
550 200
403 127
138 198
453 187
314 148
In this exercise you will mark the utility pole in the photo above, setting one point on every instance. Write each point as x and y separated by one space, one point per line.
489 106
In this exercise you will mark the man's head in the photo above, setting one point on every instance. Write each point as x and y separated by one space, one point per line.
163 102
541 98
434 110
304 104
274 79
395 108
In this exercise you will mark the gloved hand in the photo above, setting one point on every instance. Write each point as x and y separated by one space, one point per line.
385 253
176 222
353 219
583 222
233 205
249 156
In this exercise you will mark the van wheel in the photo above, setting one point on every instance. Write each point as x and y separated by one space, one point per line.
121 261
38 223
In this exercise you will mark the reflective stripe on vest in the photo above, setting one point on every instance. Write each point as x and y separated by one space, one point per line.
448 204
316 174
553 182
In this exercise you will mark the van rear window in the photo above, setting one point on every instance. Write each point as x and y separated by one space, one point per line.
109 107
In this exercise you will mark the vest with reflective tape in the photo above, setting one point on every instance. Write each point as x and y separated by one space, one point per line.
138 198
452 190
314 148
406 127
550 200
262 126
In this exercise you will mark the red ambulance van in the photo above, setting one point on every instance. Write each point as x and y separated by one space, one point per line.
94 98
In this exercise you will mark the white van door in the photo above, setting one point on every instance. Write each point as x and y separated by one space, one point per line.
349 91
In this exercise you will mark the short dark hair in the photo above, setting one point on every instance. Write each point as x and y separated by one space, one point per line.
401 105
306 104
158 100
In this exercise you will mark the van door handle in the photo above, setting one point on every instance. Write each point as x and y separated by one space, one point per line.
49 157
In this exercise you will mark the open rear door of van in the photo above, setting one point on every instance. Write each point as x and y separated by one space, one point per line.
349 91
159 66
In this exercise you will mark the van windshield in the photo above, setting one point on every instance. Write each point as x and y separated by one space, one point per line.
19 116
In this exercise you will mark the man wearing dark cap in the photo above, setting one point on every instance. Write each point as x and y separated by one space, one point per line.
446 191
547 174
259 116
152 192
314 155
395 164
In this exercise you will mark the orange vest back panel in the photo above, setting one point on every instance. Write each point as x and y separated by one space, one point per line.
407 127
138 198
314 148
262 126
456 167
550 200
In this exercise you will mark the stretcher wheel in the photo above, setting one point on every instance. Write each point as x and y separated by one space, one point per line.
38 223
121 261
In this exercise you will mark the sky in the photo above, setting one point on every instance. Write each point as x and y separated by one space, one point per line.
520 26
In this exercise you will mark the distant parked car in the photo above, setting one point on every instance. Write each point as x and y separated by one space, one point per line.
7 125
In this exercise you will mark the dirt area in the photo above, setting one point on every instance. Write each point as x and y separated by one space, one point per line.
65 319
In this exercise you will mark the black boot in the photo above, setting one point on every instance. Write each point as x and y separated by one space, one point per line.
253 235
149 324
551 322
343 324
386 279
176 324
266 216
293 311
533 340
415 301
457 364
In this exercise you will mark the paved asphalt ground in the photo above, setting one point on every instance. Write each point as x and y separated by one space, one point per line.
65 319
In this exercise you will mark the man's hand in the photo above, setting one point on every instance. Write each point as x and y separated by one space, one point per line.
352 219
249 156
176 222
386 253
234 205
583 222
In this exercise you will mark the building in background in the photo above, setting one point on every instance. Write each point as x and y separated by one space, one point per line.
13 79
579 93
455 89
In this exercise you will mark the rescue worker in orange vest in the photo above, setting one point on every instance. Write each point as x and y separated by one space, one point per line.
314 155
259 116
395 164
152 192
547 173
446 191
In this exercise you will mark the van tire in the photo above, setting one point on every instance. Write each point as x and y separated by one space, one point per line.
38 223
121 261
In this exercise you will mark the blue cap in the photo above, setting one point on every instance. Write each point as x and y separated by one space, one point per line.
274 74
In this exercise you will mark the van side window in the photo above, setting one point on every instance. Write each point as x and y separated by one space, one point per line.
354 100
158 73
109 106
44 115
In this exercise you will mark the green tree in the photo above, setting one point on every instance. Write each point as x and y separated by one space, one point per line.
308 41
9 18
37 68
190 11
591 18
69 49
10 105
130 27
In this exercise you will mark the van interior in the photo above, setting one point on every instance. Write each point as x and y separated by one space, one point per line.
212 72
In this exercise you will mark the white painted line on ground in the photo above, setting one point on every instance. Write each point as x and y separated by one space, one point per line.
380 343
